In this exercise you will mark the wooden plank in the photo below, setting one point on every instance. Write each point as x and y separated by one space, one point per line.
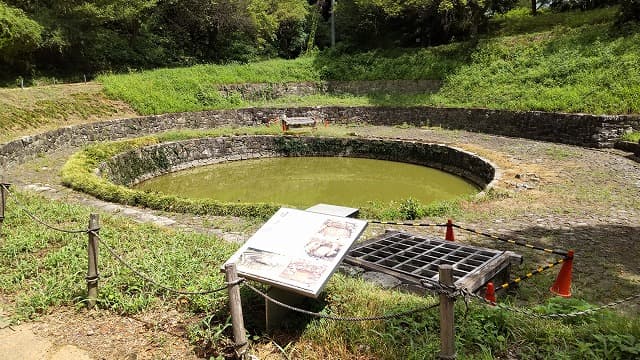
486 272
293 121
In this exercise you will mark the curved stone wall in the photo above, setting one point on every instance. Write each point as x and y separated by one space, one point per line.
575 129
137 165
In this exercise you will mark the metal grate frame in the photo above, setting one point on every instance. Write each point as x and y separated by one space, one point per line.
414 258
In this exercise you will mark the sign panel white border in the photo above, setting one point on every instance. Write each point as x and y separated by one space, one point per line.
297 250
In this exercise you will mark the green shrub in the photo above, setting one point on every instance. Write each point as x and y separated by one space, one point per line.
19 35
633 136
78 173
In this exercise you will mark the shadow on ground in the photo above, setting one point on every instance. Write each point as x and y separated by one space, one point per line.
606 263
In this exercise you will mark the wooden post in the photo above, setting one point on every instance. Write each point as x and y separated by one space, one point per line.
447 334
3 201
92 255
235 305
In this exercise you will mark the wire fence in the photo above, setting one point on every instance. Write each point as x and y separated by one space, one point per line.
341 318
449 291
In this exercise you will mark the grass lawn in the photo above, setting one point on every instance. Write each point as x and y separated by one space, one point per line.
42 269
36 109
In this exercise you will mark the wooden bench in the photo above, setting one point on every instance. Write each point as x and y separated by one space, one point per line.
293 122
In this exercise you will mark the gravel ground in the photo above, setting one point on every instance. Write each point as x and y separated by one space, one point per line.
556 195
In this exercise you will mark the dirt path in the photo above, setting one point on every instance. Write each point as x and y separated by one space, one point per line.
22 342
556 195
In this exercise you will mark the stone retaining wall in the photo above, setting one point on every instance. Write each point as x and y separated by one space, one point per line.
137 165
575 129
274 90
629 147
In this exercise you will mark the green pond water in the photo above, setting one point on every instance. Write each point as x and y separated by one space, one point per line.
306 181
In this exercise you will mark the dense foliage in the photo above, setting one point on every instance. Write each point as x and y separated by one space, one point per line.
629 11
76 37
90 35
86 36
19 35
372 24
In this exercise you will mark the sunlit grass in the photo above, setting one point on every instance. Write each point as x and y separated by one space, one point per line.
580 64
41 268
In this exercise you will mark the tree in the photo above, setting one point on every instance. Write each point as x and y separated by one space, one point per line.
281 25
20 36
413 22
629 11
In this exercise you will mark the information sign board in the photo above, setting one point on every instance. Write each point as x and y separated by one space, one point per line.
297 250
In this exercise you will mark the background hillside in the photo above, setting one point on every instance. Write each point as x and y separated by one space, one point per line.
559 60
572 62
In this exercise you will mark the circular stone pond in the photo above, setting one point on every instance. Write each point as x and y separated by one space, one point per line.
301 171
305 181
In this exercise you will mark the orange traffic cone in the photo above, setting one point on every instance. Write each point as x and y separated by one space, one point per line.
562 285
449 234
490 293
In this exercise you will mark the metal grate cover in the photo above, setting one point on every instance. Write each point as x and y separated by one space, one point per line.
418 257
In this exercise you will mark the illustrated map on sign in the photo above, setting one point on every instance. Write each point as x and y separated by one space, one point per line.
297 250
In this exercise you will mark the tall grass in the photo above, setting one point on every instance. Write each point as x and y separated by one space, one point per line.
590 69
195 88
569 62
520 21
481 332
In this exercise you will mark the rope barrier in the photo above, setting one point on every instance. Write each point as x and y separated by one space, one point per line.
35 218
529 275
405 223
560 252
451 292
150 280
550 316
514 242
339 318
454 292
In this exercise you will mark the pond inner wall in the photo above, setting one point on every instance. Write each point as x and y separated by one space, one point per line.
141 164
